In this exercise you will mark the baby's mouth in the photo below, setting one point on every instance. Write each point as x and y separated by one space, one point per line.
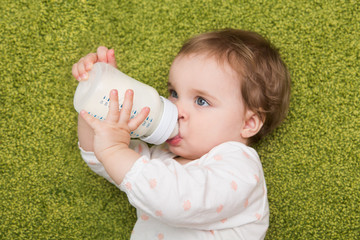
175 140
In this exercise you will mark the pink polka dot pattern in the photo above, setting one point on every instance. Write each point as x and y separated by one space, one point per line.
257 178
159 213
187 205
246 204
234 185
220 208
128 186
144 217
246 155
152 183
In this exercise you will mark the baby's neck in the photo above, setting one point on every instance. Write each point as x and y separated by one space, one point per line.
182 160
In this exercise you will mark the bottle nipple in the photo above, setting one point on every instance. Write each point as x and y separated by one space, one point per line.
175 131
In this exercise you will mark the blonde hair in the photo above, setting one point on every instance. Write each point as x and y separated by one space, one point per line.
265 80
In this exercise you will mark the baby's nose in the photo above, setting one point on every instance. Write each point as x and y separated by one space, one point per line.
182 112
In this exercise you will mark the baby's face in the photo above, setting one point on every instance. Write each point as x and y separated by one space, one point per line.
209 101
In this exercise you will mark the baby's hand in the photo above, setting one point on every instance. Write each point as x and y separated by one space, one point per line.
112 136
84 65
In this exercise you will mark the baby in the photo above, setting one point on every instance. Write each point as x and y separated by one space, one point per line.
231 89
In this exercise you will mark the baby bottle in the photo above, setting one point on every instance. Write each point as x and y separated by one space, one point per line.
93 96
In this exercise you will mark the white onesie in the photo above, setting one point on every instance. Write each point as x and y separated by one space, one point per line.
222 195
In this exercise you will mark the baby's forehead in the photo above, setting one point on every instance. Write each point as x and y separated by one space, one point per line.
203 68
230 66
221 60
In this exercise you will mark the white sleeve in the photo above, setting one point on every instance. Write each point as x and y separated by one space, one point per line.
223 189
97 167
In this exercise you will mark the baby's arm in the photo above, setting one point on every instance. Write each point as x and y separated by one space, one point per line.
80 72
112 136
96 166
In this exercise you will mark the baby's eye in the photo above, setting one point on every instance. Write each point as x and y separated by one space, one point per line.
202 102
173 93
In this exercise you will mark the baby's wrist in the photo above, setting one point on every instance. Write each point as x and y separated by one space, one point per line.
112 152
118 162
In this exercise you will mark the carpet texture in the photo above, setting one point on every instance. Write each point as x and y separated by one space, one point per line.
311 162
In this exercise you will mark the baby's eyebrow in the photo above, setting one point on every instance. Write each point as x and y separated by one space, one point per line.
169 85
203 93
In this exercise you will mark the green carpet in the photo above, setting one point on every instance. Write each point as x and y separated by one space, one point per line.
311 162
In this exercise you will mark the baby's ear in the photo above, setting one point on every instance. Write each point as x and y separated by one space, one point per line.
252 124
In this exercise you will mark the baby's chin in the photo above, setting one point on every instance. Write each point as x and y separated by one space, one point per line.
186 154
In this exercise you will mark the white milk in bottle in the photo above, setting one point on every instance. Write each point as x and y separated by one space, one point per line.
93 96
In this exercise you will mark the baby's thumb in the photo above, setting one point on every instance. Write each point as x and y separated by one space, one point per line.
111 58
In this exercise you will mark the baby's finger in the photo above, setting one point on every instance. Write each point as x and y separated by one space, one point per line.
75 72
89 61
125 112
114 113
111 58
139 119
82 74
101 54
90 120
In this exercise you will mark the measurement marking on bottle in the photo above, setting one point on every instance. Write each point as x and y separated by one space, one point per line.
105 101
